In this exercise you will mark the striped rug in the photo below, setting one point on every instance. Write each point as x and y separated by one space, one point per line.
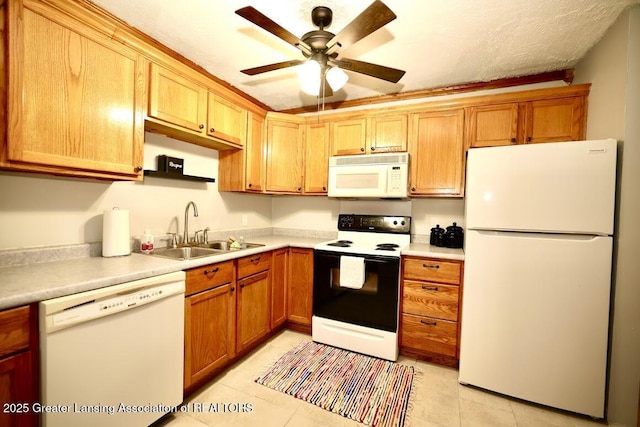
371 391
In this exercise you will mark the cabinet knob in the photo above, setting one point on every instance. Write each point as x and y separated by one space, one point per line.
250 184
241 285
513 140
528 139
362 149
233 288
413 188
212 130
299 188
373 148
201 126
137 168
212 271
324 188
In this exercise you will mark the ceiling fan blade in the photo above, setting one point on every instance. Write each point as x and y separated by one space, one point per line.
376 16
392 75
272 67
253 15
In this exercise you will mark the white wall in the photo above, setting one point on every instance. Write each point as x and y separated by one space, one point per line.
613 68
40 210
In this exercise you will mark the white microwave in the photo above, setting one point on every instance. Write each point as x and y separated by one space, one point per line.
369 176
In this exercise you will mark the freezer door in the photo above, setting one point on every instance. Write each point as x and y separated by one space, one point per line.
535 317
558 187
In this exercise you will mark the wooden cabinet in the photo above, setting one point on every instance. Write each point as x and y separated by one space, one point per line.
388 133
254 153
300 287
348 137
279 267
430 315
75 99
18 364
176 99
225 120
210 321
253 305
316 158
436 151
284 153
536 121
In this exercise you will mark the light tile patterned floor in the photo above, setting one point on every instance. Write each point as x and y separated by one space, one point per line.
438 400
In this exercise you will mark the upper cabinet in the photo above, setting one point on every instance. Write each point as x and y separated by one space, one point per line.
225 120
184 109
388 133
285 151
176 99
75 98
369 135
348 136
437 153
316 158
535 121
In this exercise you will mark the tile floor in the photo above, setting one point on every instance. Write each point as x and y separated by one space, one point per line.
438 400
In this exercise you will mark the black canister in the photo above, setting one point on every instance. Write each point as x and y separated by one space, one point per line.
454 236
437 236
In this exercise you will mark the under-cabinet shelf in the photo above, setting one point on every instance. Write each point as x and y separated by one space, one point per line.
171 175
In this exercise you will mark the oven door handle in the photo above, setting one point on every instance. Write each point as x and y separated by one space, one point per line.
379 261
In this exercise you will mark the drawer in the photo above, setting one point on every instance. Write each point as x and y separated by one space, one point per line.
14 330
253 264
428 334
432 270
208 277
430 299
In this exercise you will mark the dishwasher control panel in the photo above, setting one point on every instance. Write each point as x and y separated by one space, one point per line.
96 308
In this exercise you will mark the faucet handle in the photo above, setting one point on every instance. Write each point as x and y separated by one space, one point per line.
196 238
206 235
174 240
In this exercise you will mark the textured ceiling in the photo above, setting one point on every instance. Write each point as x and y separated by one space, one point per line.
438 43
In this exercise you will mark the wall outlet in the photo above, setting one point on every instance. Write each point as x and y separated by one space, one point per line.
245 219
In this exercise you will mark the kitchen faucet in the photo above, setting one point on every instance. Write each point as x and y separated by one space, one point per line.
185 237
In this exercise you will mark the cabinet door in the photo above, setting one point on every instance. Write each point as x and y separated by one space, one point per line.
284 156
254 154
493 125
300 286
209 332
253 309
16 386
226 120
75 97
554 120
388 133
348 137
316 161
177 100
278 288
437 153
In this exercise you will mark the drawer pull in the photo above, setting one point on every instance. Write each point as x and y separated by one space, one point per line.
241 285
255 260
430 288
432 323
430 266
212 271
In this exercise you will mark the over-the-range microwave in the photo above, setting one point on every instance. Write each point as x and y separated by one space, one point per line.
382 175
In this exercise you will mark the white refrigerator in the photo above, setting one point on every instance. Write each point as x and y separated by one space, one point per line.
537 280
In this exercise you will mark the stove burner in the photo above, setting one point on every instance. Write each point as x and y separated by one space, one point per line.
341 243
387 247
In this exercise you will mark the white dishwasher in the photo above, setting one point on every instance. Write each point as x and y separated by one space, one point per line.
113 356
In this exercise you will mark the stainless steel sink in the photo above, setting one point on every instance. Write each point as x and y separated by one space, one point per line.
189 252
225 246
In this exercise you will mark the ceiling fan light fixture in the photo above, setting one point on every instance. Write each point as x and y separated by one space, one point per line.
309 76
336 78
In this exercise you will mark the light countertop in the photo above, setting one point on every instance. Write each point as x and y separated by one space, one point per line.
25 284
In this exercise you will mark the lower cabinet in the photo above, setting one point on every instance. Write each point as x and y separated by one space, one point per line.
279 263
18 366
210 320
253 302
300 288
430 314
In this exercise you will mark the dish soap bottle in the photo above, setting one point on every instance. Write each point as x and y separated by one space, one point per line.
146 242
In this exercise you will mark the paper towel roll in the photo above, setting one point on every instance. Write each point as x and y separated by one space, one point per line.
116 235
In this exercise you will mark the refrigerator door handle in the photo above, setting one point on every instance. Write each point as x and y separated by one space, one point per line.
538 235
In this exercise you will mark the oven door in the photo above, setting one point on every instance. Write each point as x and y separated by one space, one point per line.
375 305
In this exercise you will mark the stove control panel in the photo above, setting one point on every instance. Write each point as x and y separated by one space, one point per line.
374 223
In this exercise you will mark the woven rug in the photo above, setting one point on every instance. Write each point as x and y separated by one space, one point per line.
365 389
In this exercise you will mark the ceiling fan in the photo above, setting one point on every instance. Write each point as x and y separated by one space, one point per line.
320 48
